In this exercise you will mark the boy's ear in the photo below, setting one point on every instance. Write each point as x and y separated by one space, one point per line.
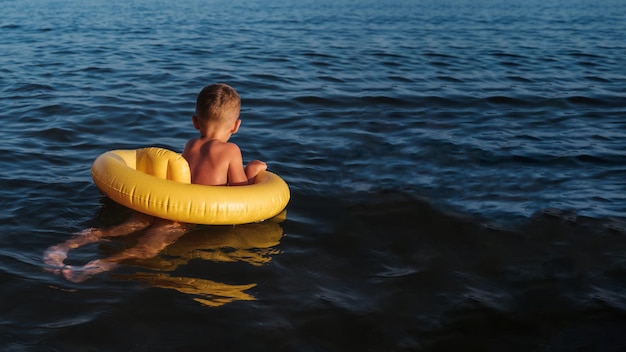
196 124
236 126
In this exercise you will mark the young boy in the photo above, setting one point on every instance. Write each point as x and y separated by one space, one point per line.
212 161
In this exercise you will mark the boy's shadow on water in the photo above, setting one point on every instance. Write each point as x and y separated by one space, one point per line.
252 244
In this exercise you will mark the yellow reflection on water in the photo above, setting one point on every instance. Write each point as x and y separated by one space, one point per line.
207 292
253 244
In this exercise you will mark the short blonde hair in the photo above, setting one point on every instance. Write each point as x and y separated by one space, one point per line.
216 103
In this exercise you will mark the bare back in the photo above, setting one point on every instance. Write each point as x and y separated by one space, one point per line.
215 163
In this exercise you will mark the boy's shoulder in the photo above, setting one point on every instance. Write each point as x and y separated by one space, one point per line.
231 148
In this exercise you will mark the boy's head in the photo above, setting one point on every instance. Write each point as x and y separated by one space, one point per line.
219 104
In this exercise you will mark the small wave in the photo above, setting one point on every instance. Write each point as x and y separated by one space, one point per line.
97 69
582 100
386 54
502 54
440 63
268 77
580 54
56 134
520 79
313 99
401 79
440 55
510 64
31 87
331 79
449 79
315 54
397 273
387 100
598 79
588 64
504 100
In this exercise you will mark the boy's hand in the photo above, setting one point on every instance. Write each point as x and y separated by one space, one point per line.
254 167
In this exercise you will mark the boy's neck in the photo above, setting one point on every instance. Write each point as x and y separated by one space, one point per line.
220 135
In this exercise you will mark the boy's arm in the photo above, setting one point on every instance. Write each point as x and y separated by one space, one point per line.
236 173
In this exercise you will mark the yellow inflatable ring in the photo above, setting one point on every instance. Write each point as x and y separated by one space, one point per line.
157 182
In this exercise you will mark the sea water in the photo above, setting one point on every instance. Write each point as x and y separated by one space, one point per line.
456 171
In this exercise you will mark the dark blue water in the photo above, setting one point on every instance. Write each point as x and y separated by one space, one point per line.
457 174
